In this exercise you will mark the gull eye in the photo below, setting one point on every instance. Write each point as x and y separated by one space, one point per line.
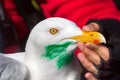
53 30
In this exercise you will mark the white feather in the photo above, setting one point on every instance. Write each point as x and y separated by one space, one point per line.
40 68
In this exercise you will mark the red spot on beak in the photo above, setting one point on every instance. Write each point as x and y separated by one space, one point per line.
96 41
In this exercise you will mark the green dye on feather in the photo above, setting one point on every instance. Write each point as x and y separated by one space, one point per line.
63 60
59 52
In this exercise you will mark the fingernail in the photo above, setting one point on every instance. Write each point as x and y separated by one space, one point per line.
88 28
81 57
88 77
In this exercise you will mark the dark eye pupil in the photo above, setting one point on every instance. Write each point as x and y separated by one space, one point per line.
53 30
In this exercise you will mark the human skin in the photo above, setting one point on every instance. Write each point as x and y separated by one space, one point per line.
91 54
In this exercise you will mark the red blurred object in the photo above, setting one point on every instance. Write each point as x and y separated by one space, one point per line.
12 12
80 11
13 26
77 51
12 49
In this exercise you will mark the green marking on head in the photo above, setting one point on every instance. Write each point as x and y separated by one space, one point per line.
58 51
64 59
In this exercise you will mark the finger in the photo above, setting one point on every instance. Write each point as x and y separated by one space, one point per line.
90 54
101 50
91 27
87 64
89 76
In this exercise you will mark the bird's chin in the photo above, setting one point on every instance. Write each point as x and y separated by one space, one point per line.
68 40
72 46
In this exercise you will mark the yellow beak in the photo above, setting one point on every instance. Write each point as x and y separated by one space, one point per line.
92 37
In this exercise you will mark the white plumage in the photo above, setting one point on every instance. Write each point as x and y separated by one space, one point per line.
43 65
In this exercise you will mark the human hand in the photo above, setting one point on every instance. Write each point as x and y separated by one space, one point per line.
92 54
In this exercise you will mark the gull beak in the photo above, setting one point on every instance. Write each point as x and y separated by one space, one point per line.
92 37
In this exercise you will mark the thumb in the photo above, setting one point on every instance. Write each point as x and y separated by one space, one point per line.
91 27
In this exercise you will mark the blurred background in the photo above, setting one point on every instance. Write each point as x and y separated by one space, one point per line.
17 18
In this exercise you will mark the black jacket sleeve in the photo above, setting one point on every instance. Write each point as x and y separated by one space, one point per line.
110 28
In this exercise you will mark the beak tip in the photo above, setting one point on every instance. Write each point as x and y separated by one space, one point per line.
103 40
